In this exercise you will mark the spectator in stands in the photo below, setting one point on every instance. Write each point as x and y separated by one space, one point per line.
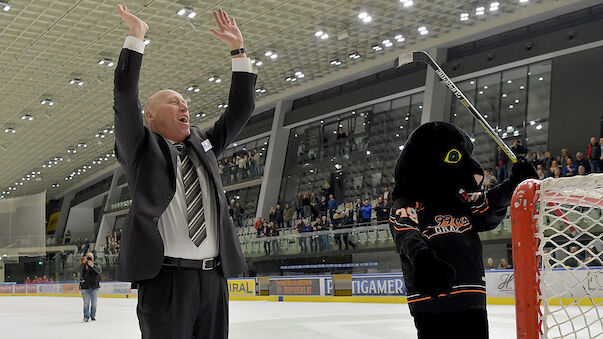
314 204
564 155
504 265
258 223
257 161
572 259
115 236
239 213
346 222
582 170
89 272
570 169
501 164
366 211
78 243
593 154
288 214
314 238
490 264
547 162
278 216
263 233
380 210
489 180
323 206
299 205
274 233
272 215
306 205
341 143
535 159
540 173
336 222
518 148
556 173
231 211
386 193
348 209
68 237
327 189
332 206
301 240
108 238
45 280
308 229
119 235
106 250
27 280
554 164
86 245
580 161
591 260
358 210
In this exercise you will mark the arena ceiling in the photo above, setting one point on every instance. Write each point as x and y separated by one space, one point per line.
47 47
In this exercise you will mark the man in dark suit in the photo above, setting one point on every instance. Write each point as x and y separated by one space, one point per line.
179 243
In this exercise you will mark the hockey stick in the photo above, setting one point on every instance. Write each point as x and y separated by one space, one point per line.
423 57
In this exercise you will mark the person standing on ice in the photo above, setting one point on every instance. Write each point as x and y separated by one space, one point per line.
438 210
180 243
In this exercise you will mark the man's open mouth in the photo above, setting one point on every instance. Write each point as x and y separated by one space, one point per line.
183 119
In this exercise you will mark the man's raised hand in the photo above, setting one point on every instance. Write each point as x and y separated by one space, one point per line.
137 27
229 32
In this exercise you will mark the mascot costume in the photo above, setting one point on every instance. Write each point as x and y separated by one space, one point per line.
437 212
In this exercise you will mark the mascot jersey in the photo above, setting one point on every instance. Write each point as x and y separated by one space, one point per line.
437 212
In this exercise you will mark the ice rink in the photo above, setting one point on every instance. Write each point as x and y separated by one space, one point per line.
61 318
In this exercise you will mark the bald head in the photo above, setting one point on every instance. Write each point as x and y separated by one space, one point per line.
166 113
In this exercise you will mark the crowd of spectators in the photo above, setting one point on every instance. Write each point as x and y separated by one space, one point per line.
242 165
111 243
39 280
548 166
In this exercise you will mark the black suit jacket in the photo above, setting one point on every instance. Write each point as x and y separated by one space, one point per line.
149 163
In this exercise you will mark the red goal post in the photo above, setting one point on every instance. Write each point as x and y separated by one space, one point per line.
556 227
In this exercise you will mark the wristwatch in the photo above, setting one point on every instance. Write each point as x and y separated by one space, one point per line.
237 51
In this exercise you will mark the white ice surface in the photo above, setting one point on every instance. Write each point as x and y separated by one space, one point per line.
61 318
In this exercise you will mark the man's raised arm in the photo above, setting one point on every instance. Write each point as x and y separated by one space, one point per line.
129 130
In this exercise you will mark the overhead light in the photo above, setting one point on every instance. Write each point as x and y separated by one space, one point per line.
193 88
299 75
214 78
365 17
71 150
485 86
187 11
272 55
511 106
222 105
354 55
377 48
335 62
48 102
55 185
146 41
516 101
539 127
76 81
480 10
407 3
106 62
318 34
260 90
423 30
523 1
322 35
27 117
540 79
504 95
399 38
82 144
494 6
464 16
10 130
522 87
259 63
387 43
368 152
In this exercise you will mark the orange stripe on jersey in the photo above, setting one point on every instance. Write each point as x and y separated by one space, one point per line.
422 299
468 291
401 227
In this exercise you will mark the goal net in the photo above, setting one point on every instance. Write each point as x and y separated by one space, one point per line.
556 229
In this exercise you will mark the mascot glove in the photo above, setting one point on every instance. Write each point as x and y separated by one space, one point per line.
432 275
521 171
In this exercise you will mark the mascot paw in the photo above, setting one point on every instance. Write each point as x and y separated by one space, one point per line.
521 171
432 275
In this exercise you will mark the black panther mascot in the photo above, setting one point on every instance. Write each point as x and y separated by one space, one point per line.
437 212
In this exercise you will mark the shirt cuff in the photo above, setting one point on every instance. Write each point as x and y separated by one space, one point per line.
242 65
135 44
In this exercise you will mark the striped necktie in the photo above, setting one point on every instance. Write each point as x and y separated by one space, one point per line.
194 200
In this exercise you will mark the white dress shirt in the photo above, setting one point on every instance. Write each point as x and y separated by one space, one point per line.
173 223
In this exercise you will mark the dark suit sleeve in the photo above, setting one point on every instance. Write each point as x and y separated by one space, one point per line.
241 103
129 128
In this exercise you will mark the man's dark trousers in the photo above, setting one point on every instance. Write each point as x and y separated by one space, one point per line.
183 303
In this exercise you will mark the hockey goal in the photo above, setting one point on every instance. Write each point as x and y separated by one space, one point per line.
556 233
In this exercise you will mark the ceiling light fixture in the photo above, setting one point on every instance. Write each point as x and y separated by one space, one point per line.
187 11
335 62
48 102
27 117
480 11
494 6
399 38
10 130
423 30
354 55
407 3
76 81
376 48
365 17
464 16
106 62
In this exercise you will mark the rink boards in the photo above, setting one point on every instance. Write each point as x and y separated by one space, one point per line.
384 288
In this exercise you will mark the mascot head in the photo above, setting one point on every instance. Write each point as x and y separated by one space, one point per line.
435 164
